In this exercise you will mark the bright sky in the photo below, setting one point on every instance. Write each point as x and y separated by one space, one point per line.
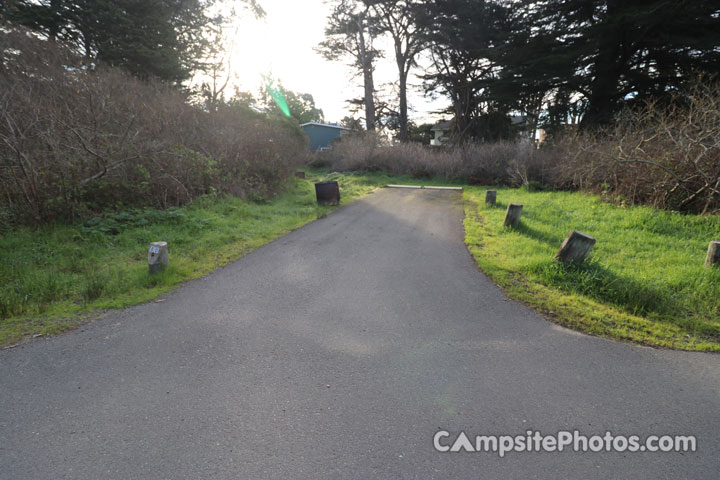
283 43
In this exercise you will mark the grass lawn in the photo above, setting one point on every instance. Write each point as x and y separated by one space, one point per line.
644 281
57 277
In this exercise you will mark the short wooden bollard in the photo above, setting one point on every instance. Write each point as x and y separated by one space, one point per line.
576 247
157 257
713 256
512 216
327 193
300 174
490 197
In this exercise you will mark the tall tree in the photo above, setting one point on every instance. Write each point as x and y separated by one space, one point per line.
398 19
611 52
463 36
350 33
301 106
141 37
149 38
215 69
354 125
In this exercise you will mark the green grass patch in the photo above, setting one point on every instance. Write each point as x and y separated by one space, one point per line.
644 280
59 276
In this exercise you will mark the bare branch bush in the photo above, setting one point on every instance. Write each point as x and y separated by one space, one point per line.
666 155
501 163
74 142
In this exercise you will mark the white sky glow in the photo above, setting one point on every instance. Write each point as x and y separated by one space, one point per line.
283 43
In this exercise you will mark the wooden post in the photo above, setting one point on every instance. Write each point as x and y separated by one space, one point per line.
157 257
512 216
490 197
575 248
713 256
327 193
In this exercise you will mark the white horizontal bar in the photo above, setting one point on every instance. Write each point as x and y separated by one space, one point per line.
428 187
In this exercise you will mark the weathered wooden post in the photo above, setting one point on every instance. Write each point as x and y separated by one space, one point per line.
300 174
512 216
713 256
490 197
576 247
327 193
157 257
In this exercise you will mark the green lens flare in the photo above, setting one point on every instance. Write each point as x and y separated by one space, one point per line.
277 96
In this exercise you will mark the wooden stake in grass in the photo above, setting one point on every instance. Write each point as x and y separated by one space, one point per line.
327 193
490 197
512 216
576 247
713 256
157 257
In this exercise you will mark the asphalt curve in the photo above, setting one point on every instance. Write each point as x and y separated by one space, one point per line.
337 352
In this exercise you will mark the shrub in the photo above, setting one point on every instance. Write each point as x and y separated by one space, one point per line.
500 163
76 140
663 154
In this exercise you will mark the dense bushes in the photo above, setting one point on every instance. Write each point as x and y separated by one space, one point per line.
506 163
75 141
666 155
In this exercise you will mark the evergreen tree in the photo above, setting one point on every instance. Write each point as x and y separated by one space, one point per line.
399 20
300 106
607 53
463 36
149 38
350 34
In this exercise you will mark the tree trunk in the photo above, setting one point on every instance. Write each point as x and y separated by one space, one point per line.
601 107
608 67
403 136
368 82
369 99
55 14
460 125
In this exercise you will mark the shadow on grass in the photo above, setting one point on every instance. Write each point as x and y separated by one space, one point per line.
553 240
482 205
597 282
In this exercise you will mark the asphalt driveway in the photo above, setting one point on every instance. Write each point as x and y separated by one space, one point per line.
337 352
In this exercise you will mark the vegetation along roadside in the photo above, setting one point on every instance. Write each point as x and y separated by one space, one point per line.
53 277
644 281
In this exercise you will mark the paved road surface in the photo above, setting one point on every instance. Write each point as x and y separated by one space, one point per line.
337 352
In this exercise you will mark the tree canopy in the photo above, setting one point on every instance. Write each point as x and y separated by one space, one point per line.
564 61
398 19
301 106
164 39
350 34
611 52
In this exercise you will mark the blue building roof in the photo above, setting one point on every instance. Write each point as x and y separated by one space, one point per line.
322 134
